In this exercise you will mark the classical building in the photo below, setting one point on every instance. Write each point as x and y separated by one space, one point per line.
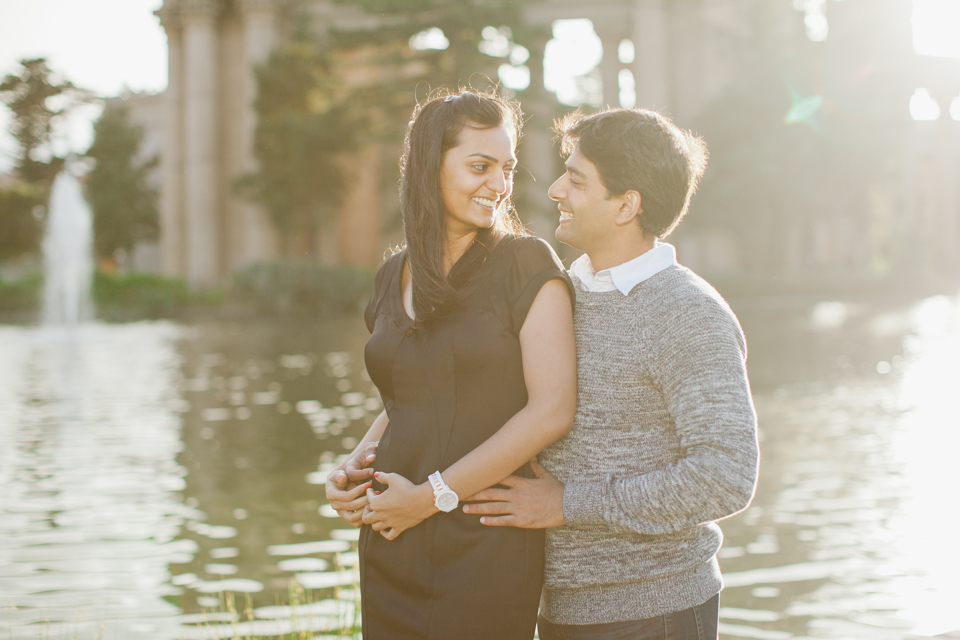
687 53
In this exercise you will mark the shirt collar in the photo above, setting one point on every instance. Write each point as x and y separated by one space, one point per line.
624 277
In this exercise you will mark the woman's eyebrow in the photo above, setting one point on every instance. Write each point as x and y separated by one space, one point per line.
490 158
484 156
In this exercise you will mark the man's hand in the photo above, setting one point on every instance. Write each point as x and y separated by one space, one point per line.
528 504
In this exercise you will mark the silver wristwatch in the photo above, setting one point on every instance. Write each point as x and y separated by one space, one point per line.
444 497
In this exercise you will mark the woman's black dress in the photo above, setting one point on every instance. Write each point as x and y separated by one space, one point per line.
446 390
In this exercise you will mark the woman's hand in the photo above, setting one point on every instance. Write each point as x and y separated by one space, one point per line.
359 468
347 499
402 506
345 487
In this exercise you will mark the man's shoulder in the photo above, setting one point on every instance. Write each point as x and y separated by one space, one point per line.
677 300
678 286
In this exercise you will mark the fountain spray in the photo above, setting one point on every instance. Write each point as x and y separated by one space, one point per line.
67 253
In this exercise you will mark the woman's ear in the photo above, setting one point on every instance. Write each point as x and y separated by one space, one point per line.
629 207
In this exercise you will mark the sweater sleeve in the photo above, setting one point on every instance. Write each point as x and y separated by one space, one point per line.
699 360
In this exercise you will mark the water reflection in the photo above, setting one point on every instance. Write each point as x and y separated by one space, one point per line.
149 471
89 505
845 536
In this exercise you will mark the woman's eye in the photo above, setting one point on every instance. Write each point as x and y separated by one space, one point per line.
480 167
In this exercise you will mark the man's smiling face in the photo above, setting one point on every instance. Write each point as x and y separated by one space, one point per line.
586 213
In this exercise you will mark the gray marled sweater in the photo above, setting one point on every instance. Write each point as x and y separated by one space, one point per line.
664 443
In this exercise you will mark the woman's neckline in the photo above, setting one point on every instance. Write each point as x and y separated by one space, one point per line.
398 287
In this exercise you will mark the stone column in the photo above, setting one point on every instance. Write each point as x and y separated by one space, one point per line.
256 238
536 153
171 220
948 172
359 224
611 33
200 171
650 66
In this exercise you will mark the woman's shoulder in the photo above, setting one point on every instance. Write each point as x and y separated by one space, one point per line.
530 264
531 253
388 270
392 261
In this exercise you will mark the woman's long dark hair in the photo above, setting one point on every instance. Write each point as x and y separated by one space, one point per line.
435 128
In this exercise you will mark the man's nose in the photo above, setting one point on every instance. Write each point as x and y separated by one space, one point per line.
556 190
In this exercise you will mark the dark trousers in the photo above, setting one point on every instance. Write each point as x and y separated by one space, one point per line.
696 623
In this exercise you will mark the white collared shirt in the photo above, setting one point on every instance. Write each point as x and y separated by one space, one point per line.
624 277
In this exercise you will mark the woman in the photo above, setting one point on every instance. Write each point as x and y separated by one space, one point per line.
472 350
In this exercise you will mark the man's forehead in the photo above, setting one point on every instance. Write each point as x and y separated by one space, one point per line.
579 165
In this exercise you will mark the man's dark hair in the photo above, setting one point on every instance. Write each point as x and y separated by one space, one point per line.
640 150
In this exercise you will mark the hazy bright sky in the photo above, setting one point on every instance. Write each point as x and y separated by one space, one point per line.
104 45
101 45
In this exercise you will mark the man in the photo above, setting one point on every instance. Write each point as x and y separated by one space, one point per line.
664 440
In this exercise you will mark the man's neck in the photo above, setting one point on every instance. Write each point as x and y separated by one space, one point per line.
614 255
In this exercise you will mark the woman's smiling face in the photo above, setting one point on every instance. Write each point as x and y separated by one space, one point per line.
476 177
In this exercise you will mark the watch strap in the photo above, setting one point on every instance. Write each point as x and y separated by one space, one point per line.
437 483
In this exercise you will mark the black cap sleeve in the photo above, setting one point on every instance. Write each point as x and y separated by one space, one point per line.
534 263
381 284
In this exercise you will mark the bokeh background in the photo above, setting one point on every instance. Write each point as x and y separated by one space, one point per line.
161 462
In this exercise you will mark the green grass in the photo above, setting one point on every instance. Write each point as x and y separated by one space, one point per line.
303 618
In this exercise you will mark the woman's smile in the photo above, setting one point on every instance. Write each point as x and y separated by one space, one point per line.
484 202
476 177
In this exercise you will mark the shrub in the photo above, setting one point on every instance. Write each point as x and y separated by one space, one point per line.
22 294
303 287
137 294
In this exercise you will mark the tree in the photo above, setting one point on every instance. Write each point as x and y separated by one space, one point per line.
123 201
32 95
468 56
434 43
304 120
20 219
319 97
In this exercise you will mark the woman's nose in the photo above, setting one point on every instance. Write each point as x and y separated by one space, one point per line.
498 182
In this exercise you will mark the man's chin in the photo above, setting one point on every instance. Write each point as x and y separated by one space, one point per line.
563 235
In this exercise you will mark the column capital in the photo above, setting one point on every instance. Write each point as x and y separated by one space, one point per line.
611 29
200 10
169 16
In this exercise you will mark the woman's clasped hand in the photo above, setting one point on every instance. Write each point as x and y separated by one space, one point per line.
347 486
402 506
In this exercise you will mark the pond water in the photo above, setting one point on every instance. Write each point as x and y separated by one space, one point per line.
155 477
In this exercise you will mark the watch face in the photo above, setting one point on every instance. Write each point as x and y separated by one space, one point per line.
447 501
